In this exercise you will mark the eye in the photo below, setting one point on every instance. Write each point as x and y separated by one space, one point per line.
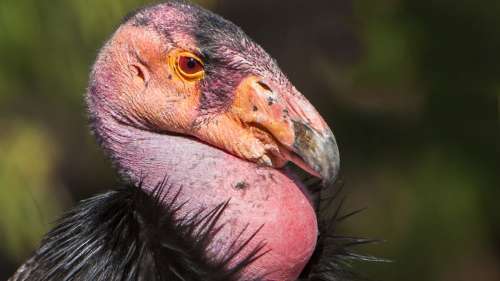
189 66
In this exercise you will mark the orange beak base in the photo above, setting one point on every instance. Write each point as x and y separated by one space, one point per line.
272 124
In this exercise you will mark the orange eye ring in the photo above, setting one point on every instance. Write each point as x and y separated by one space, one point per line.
189 66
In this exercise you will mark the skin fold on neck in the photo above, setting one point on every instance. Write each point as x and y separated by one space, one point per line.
258 196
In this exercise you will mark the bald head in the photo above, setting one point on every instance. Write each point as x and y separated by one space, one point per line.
181 92
241 102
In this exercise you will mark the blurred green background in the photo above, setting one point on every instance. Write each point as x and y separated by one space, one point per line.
410 88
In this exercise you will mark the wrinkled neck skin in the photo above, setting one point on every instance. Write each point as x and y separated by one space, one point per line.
259 196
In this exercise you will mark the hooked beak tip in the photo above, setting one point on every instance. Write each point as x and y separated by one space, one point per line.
319 151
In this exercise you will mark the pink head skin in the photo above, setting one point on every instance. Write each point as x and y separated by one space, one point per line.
224 134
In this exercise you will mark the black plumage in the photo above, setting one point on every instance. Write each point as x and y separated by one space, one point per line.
129 235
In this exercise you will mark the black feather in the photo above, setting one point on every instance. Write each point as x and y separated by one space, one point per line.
332 258
129 234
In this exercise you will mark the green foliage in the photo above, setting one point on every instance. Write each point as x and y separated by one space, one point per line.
27 203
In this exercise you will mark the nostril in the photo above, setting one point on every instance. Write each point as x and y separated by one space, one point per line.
264 86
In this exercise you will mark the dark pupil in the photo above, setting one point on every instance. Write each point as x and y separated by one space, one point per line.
191 63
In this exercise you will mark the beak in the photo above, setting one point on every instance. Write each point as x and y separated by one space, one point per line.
296 128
